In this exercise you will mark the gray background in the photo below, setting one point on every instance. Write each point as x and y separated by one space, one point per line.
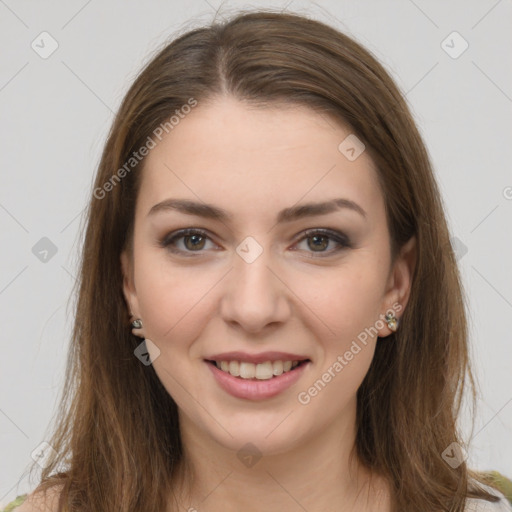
55 113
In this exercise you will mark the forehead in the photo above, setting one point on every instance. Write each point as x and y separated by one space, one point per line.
248 159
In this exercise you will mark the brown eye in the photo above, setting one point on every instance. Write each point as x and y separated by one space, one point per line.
319 242
320 239
194 240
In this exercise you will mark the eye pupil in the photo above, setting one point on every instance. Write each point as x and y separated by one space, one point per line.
194 244
319 237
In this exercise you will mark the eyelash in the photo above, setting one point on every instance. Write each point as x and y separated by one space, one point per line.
341 239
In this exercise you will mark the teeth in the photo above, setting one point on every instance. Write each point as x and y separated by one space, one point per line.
234 368
264 371
277 368
261 371
247 370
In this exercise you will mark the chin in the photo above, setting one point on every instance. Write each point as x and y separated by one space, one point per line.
264 438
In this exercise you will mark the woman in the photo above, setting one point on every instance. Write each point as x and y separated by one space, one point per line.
270 315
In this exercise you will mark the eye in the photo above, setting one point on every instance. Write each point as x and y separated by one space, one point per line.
194 240
320 239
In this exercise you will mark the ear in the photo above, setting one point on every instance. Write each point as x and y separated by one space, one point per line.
129 291
399 285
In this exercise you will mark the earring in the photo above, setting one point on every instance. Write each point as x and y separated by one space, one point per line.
137 324
392 321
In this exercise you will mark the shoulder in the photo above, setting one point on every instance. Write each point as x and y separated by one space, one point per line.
38 501
478 505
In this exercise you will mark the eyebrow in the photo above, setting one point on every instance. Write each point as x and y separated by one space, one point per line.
292 213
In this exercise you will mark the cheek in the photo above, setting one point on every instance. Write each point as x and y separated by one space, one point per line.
172 301
346 301
350 306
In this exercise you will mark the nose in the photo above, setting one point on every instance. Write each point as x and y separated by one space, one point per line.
255 294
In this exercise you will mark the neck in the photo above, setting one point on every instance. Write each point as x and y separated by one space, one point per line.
321 473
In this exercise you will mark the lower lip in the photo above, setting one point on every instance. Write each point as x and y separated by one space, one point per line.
256 389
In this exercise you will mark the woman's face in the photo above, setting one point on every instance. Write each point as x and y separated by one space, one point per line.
252 281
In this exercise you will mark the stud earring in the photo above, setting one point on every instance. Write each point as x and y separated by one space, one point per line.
137 324
392 321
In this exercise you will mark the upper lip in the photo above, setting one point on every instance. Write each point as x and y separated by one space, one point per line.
262 357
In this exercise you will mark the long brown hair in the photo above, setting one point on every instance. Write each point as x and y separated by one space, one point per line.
117 438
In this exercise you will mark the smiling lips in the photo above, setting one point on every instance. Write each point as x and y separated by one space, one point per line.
256 376
261 371
262 366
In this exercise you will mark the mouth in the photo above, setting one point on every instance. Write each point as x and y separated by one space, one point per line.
267 370
256 381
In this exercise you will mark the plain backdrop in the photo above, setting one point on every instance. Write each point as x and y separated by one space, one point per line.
55 113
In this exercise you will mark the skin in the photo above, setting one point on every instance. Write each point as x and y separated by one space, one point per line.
253 162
